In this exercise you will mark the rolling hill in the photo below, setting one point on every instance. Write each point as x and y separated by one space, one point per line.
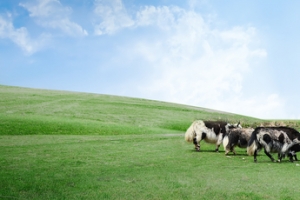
26 111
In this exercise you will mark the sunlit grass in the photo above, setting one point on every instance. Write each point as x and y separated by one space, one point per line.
136 167
65 145
29 112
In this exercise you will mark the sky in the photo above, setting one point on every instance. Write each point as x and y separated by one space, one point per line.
235 56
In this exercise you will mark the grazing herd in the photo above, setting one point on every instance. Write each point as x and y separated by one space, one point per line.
284 141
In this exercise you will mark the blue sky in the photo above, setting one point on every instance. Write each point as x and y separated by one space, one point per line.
235 56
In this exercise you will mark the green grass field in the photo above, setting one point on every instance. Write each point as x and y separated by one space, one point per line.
65 145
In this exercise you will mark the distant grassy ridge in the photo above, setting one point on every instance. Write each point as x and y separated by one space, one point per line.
25 111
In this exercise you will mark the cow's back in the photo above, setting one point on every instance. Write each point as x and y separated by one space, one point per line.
239 136
217 126
291 132
285 133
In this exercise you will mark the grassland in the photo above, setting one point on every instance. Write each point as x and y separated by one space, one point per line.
65 145
45 112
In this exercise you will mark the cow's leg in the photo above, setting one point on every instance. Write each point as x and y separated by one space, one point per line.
220 138
269 155
295 156
293 153
198 139
280 155
217 148
232 145
267 146
226 152
254 155
229 149
290 155
197 145
232 149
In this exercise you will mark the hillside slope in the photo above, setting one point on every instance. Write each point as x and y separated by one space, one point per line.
25 111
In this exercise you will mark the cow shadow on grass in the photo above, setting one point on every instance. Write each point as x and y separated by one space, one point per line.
206 151
219 152
279 163
242 154
238 154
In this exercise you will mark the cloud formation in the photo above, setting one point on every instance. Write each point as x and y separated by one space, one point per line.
20 36
199 65
52 14
112 16
193 62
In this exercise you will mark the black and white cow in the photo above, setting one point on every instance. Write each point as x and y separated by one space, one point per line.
273 139
210 131
236 137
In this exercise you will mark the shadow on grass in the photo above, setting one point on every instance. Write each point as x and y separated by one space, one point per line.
205 150
270 162
237 154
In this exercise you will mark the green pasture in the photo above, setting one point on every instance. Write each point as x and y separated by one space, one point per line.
66 145
45 112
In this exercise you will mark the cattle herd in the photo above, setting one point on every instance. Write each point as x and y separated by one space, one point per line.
284 141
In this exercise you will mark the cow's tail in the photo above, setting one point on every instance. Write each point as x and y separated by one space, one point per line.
192 131
225 142
252 144
190 134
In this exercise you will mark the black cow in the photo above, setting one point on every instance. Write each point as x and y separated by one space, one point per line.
210 131
236 137
292 152
273 139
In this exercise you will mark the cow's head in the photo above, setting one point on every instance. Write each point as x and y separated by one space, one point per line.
231 126
237 125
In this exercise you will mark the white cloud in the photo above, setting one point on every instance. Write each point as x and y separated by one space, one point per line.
52 14
20 36
199 65
164 17
113 16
